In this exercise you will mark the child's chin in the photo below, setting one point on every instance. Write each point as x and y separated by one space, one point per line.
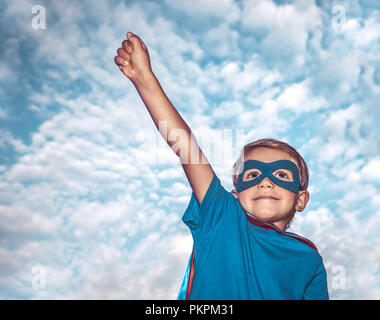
265 215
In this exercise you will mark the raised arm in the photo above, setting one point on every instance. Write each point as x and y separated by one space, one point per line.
134 62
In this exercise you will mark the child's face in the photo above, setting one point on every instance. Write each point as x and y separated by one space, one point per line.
266 200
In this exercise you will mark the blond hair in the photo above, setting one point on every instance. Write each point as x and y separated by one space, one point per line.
277 145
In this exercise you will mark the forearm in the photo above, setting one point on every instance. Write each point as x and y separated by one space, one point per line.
168 121
134 62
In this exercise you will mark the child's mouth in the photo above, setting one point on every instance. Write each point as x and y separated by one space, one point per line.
266 198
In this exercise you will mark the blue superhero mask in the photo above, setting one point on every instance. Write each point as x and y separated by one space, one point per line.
267 170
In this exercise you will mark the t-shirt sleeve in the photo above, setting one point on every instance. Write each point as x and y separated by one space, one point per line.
202 218
317 288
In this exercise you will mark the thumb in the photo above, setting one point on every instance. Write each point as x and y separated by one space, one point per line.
136 41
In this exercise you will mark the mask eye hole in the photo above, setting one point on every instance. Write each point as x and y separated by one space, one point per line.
251 174
283 174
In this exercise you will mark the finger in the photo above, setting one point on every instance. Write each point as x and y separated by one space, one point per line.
120 61
143 45
124 55
135 40
127 46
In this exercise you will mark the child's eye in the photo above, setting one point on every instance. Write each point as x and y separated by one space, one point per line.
253 174
283 175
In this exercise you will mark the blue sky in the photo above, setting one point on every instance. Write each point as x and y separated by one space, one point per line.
91 197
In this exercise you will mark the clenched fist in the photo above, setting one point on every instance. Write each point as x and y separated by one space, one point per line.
133 58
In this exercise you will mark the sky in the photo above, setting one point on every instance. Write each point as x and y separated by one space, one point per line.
91 197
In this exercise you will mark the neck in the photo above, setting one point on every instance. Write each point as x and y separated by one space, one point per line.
281 225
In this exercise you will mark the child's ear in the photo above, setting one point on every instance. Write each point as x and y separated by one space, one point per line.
302 200
234 193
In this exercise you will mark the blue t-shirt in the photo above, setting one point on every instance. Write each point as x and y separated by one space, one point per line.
237 256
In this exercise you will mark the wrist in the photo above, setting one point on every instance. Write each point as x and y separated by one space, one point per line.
145 81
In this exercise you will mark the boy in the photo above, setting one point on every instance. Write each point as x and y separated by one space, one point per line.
241 249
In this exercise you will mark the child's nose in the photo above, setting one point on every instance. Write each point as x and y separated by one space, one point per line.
265 183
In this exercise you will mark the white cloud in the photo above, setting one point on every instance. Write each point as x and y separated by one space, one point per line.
157 260
299 98
339 238
18 221
222 41
7 139
89 199
283 29
225 9
338 75
371 171
344 139
169 174
250 76
362 36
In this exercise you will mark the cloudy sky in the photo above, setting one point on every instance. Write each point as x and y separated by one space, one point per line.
91 197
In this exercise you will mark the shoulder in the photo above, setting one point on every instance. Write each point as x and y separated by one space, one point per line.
304 246
212 207
303 240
